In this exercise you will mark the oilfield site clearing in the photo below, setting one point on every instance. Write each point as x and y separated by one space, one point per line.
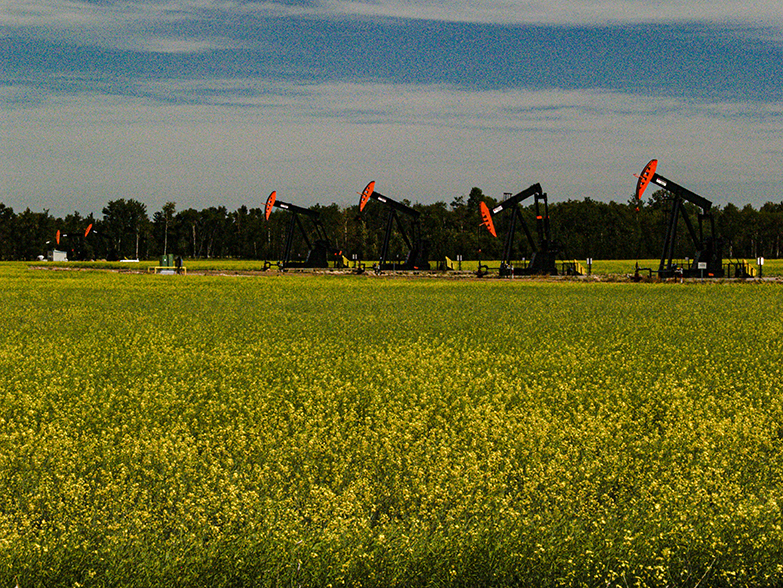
523 233
295 429
599 269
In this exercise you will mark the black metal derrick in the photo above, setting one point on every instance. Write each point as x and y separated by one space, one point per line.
544 255
418 247
319 249
707 261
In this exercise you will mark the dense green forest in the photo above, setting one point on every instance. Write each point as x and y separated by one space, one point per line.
584 228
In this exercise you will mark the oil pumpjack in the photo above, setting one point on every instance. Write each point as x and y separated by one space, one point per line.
707 261
319 250
416 259
544 257
75 245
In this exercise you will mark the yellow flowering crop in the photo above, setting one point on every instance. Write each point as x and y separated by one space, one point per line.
361 431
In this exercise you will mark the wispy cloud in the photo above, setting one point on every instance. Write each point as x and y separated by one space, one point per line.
215 102
320 143
75 13
572 12
696 62
171 45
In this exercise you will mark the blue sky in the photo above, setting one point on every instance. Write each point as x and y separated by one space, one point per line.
214 102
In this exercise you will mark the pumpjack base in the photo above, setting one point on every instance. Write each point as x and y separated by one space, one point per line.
400 267
507 271
691 273
303 265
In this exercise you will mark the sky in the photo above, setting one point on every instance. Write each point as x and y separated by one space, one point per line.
220 102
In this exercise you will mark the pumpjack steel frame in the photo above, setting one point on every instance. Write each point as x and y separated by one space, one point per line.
543 259
77 243
418 248
319 249
708 259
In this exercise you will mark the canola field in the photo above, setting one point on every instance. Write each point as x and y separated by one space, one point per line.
293 430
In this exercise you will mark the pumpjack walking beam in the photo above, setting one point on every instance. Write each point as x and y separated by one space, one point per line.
318 250
416 258
544 257
708 259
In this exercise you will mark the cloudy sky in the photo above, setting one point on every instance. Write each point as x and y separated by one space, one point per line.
219 102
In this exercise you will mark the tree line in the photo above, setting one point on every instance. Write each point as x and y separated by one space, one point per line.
581 228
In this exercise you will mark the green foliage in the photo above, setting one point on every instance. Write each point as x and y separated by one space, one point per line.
125 222
354 431
580 228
